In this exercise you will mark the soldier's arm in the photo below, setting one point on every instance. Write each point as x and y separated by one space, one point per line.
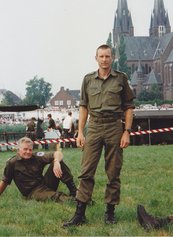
58 156
3 186
83 115
125 140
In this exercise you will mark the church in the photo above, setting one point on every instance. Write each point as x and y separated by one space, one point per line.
149 58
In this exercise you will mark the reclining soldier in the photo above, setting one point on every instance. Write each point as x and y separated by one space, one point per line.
26 169
148 221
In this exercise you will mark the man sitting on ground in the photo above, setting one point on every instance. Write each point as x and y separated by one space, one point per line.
26 169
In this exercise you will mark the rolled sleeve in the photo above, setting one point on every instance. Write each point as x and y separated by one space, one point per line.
127 96
8 173
84 95
45 158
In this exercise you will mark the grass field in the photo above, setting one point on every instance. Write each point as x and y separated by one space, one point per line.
146 179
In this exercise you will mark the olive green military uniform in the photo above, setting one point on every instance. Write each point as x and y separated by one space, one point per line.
106 101
28 176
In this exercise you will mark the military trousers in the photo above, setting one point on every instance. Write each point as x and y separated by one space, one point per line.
48 188
102 134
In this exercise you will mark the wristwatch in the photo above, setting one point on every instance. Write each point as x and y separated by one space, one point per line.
128 130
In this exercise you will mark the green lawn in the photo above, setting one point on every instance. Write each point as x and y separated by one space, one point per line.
146 179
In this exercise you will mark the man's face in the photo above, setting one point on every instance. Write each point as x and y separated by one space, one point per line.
104 58
25 150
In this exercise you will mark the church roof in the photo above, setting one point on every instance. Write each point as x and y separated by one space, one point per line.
152 78
140 47
134 79
162 44
170 58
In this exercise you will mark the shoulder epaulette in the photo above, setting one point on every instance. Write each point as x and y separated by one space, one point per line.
120 72
90 74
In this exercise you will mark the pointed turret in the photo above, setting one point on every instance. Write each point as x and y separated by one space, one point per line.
122 21
159 24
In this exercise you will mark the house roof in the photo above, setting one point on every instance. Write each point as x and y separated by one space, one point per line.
75 94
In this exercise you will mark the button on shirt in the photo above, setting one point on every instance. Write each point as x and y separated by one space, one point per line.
112 94
26 173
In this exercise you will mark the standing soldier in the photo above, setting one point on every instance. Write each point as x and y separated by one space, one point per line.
107 98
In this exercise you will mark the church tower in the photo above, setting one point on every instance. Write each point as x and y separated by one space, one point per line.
159 24
122 22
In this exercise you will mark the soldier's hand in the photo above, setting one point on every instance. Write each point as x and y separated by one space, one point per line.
80 141
125 140
57 169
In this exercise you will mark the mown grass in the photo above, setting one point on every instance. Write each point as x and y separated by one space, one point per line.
146 179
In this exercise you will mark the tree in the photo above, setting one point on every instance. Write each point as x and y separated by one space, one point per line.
153 95
119 55
10 98
110 44
109 40
122 61
37 92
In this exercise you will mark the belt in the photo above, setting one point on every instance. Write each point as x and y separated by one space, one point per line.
106 117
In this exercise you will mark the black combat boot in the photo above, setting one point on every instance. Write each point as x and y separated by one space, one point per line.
109 214
72 188
79 216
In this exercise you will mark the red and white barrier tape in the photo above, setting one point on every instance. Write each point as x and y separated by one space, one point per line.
152 131
42 141
160 130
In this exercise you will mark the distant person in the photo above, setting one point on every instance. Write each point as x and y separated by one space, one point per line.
39 129
30 128
68 128
52 124
50 128
26 170
107 97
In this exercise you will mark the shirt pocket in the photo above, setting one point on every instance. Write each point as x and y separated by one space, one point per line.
95 100
113 96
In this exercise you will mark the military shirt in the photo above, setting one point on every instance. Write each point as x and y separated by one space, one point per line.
112 94
31 126
26 173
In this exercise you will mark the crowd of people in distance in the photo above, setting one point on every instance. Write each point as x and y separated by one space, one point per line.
66 128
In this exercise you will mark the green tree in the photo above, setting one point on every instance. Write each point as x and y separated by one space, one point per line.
109 40
154 94
144 96
10 99
122 61
110 44
37 92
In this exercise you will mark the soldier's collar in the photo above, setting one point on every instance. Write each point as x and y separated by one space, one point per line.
112 73
20 158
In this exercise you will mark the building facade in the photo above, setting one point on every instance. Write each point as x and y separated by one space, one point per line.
66 98
149 58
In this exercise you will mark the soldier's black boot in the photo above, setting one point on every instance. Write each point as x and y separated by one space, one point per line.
79 216
72 188
109 214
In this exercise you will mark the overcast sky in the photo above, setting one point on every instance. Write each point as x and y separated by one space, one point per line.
57 39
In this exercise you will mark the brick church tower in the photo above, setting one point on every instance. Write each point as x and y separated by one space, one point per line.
149 58
159 24
122 22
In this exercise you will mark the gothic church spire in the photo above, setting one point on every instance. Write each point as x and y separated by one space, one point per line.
122 21
159 24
